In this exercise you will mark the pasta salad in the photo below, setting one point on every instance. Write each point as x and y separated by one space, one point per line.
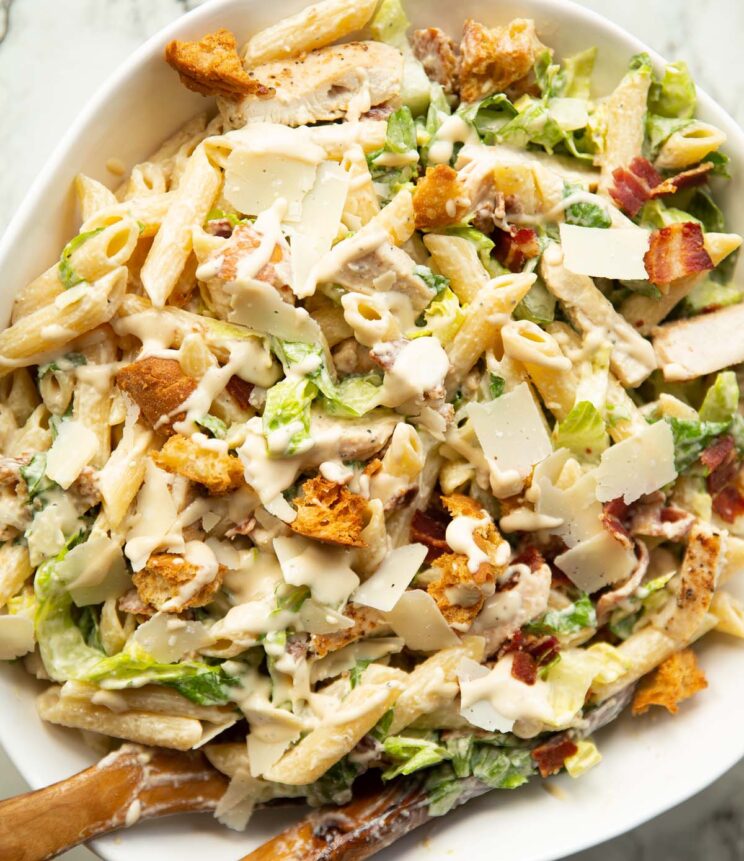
386 419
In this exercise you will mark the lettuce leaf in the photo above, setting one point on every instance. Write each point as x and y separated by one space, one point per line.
496 386
660 129
583 431
67 655
216 427
708 295
674 95
489 115
400 138
412 753
353 396
34 474
577 616
286 416
578 74
585 214
442 318
65 363
483 245
657 214
538 305
721 401
691 437
704 209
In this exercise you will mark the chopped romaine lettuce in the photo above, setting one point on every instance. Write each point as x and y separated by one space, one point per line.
720 162
583 431
659 129
578 74
334 787
34 474
435 282
577 616
483 246
708 295
489 115
67 275
496 386
216 427
442 318
691 437
656 214
411 754
721 400
585 213
286 416
353 396
67 655
400 141
538 306
550 79
674 95
704 209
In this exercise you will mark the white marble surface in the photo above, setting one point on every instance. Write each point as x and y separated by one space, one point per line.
53 55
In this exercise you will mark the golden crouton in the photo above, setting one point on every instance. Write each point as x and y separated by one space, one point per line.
494 59
218 472
458 591
212 67
165 577
158 387
439 198
367 622
676 679
330 512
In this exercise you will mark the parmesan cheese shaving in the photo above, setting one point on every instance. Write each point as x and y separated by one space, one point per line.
385 587
417 619
75 447
605 253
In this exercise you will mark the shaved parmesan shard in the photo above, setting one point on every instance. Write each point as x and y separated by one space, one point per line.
417 619
74 448
385 587
602 253
637 465
168 639
318 224
94 571
258 306
599 561
16 637
263 754
324 569
480 713
512 430
254 181
155 523
576 506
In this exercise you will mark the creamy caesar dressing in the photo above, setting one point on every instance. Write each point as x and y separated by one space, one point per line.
459 536
453 129
419 368
201 556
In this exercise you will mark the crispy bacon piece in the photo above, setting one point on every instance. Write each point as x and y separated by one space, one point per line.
434 49
529 556
158 386
634 185
719 458
728 504
429 527
614 513
240 391
640 181
439 198
676 252
676 679
551 755
524 668
542 649
514 249
212 67
686 179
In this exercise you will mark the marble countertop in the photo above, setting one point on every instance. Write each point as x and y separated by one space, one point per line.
41 91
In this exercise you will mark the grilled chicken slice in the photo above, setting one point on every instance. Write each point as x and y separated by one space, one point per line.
326 84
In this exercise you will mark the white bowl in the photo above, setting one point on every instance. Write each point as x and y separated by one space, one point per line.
650 764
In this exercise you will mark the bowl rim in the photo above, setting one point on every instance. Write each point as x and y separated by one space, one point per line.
606 30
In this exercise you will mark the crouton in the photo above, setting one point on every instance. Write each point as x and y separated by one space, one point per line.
676 679
219 473
158 387
458 591
439 198
494 59
434 49
212 67
330 512
164 578
367 622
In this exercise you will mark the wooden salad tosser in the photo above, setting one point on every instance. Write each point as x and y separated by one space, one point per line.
136 783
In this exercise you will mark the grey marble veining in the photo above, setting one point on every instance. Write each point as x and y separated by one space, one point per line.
41 92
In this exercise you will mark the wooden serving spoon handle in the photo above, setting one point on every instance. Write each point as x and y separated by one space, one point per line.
128 785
